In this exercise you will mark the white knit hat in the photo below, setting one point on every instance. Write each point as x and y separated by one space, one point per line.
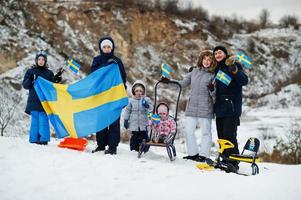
106 42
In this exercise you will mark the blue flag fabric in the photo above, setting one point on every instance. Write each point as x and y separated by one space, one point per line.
223 77
73 65
155 118
165 70
86 106
244 60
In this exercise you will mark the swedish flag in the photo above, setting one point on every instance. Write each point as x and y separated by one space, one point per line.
155 118
73 65
165 70
223 77
86 106
244 60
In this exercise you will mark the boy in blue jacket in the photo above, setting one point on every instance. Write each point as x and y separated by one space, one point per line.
39 130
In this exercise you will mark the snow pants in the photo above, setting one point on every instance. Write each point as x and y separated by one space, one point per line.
136 138
39 129
191 141
227 129
109 136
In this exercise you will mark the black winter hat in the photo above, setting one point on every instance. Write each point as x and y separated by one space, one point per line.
222 48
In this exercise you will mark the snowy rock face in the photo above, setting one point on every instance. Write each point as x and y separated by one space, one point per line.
144 40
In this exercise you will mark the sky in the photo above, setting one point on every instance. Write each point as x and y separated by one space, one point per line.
250 9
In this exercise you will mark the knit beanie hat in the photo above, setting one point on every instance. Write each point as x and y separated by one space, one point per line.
222 48
106 42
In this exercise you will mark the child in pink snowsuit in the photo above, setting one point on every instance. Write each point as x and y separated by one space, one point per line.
166 128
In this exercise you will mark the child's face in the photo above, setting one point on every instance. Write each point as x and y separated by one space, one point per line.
163 111
41 61
106 49
207 61
139 92
219 55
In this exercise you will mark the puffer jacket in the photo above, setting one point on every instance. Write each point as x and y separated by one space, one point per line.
33 101
229 98
136 113
201 100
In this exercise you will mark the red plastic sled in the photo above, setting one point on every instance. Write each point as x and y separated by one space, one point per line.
74 143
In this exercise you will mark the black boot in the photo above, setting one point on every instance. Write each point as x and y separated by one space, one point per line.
201 159
42 142
98 148
191 157
111 150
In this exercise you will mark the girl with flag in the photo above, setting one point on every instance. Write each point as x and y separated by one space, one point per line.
164 128
136 115
39 130
199 107
230 78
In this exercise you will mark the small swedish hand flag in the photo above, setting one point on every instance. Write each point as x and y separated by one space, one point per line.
155 118
244 60
223 77
165 70
73 65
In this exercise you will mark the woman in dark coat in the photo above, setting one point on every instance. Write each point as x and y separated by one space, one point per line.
228 105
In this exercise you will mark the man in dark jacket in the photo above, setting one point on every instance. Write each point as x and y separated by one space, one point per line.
109 136
39 129
228 105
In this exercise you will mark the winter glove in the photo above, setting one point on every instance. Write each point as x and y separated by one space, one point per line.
144 103
58 77
233 69
190 69
231 63
126 124
210 87
164 79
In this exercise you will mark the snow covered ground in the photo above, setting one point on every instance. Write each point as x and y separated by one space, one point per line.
33 172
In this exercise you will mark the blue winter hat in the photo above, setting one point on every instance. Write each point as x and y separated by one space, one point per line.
41 53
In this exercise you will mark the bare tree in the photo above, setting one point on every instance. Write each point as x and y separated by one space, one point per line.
7 108
264 18
289 20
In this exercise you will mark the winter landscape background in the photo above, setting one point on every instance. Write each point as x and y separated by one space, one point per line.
147 34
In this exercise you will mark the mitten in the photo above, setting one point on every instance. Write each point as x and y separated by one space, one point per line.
233 69
126 124
191 69
144 103
58 76
164 79
210 87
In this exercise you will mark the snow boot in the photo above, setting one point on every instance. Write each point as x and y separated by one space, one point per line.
98 148
200 159
111 150
191 157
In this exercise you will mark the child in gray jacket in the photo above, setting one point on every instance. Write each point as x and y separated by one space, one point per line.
135 117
